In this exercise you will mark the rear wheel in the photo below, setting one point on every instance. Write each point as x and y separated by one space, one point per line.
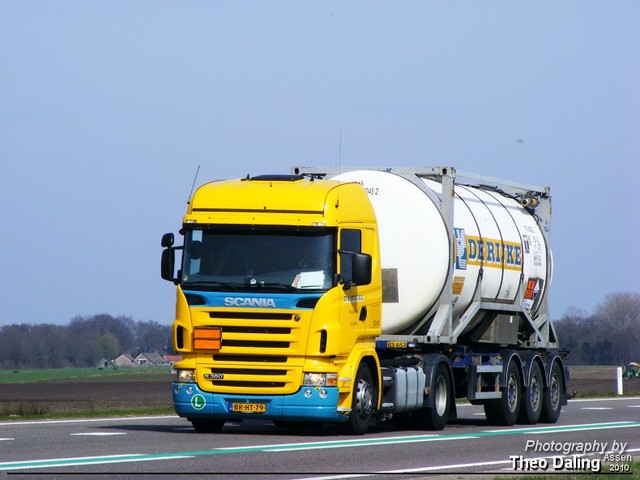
532 402
207 425
363 403
505 410
553 396
435 418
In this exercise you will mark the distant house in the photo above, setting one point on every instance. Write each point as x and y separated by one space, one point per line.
103 363
124 360
148 359
171 359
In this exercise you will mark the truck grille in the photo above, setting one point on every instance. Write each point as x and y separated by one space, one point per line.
261 352
256 377
248 359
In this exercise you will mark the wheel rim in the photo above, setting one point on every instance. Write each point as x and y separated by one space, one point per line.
364 399
535 393
441 396
554 392
512 397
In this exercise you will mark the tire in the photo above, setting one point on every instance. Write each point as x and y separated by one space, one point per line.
435 418
505 410
207 425
553 396
532 400
363 403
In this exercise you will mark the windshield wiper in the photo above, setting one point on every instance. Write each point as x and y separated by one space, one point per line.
281 287
212 285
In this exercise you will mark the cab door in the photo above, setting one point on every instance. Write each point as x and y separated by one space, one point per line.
361 306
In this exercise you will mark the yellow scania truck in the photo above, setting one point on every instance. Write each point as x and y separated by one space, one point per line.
360 295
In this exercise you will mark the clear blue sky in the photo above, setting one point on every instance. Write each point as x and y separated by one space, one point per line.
108 107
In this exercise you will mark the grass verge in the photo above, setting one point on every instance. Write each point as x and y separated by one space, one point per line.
37 411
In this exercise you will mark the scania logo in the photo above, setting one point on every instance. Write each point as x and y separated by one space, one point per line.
249 302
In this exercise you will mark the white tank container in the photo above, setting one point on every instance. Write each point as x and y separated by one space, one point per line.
492 233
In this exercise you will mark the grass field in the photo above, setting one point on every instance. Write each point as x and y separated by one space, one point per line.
57 374
71 392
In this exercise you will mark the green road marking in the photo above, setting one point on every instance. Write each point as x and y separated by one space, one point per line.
361 442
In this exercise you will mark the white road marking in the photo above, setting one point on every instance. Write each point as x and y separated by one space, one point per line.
602 399
75 461
98 434
87 420
596 408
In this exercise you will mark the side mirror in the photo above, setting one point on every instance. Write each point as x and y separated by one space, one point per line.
362 269
167 264
168 260
355 268
167 240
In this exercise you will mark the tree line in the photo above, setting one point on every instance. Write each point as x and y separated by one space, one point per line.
81 343
608 336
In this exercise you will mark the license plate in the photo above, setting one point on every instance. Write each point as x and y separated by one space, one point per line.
248 407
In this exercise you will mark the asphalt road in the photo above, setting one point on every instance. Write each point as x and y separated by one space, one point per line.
167 447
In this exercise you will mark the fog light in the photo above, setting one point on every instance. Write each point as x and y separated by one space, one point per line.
177 389
189 389
307 393
323 393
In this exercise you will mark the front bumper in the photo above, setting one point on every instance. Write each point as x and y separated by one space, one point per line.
307 404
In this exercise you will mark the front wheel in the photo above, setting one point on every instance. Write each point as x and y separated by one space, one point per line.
363 403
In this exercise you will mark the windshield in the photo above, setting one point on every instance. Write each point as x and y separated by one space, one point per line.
241 260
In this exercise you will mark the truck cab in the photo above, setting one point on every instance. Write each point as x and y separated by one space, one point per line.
277 306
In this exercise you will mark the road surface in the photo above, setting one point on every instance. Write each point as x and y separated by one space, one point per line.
144 447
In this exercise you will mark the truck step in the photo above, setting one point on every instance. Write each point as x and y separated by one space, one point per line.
487 395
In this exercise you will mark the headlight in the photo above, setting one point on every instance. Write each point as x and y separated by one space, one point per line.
320 380
184 376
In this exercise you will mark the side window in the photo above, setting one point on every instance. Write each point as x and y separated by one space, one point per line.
351 240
